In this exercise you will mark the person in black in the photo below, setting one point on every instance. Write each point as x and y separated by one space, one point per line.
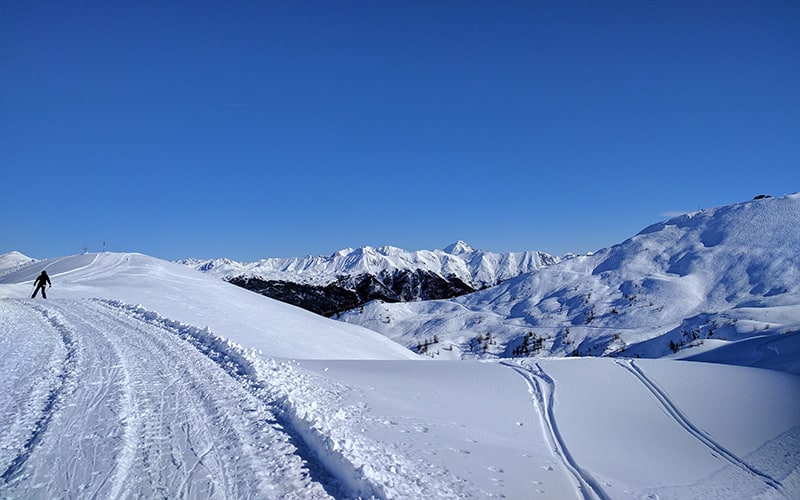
41 281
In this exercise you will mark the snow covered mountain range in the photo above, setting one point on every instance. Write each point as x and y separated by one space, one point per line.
352 277
139 377
689 284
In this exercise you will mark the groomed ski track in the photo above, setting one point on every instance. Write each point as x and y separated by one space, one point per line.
180 416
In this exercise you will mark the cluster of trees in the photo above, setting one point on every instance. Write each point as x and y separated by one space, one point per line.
692 335
424 346
531 344
351 291
482 342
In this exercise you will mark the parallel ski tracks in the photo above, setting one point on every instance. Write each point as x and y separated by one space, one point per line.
542 388
672 410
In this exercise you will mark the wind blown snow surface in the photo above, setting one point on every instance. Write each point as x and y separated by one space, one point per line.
142 378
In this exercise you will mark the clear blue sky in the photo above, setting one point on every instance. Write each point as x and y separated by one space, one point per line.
250 129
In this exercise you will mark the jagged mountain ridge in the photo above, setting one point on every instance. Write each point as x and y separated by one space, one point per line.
477 268
684 285
351 277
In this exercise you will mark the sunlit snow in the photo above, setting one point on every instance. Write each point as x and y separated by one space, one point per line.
142 378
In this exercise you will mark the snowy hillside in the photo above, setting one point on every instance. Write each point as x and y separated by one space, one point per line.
477 268
141 378
12 260
188 296
689 284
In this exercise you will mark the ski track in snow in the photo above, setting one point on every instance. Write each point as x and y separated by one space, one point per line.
542 388
326 464
674 412
51 400
175 425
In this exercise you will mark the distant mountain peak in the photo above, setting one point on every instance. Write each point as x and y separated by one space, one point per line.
342 253
459 248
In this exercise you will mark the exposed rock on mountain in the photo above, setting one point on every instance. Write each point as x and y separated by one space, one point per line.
349 292
351 277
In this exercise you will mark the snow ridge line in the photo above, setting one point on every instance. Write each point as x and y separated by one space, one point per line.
245 366
674 412
53 399
542 387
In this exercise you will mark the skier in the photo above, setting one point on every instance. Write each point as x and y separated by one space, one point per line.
41 281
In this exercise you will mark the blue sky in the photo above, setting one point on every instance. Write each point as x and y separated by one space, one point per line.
251 129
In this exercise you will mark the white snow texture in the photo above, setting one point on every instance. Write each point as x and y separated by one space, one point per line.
138 377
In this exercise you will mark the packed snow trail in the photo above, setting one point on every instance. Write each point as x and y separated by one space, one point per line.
29 404
542 389
92 384
675 413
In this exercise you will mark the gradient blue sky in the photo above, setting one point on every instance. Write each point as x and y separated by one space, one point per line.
251 129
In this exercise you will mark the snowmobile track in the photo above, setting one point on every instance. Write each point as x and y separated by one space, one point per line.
542 389
674 412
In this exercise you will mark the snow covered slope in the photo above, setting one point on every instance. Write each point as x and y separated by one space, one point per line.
12 260
104 398
182 294
701 280
477 268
